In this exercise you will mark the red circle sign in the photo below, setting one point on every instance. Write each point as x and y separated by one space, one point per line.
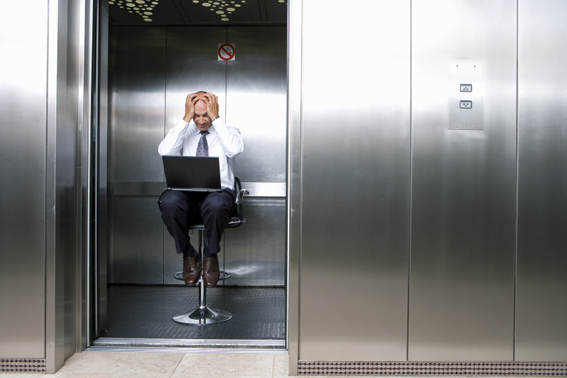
226 51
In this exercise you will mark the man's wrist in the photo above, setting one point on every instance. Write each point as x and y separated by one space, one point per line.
217 117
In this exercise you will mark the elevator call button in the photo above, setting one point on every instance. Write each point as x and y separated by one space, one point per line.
465 104
466 87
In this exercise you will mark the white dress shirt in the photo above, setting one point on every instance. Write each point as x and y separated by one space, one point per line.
224 141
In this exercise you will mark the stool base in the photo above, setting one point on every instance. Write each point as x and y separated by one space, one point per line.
203 316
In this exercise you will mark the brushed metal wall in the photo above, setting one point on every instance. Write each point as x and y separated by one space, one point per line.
541 307
256 103
461 304
151 71
355 181
137 66
23 117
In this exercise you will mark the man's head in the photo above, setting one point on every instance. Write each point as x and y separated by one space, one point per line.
201 118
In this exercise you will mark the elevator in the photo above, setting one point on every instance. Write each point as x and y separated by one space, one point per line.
405 161
152 66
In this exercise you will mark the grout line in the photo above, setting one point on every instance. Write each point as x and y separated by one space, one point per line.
273 366
177 366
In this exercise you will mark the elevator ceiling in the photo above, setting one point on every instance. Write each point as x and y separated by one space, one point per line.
197 12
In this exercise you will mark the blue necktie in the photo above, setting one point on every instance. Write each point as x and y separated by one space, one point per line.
203 146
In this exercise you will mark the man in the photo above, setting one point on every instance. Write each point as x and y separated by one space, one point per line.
207 135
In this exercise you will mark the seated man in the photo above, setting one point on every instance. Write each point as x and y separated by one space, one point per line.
207 135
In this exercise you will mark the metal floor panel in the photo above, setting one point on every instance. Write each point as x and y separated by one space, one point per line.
146 312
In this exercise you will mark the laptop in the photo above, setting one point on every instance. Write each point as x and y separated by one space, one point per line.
192 174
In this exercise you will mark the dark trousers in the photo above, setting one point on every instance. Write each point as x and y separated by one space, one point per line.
179 210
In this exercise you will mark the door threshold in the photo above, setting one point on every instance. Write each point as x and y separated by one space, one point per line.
186 345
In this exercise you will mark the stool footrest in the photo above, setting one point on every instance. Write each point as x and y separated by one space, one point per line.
203 316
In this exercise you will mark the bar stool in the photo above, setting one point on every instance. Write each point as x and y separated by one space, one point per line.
203 315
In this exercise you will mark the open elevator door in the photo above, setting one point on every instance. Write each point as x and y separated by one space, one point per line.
151 68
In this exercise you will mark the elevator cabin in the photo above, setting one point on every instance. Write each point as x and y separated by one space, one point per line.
158 52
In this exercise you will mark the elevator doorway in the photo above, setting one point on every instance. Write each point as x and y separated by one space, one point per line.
152 66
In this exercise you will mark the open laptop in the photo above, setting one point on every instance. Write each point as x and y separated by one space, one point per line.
192 174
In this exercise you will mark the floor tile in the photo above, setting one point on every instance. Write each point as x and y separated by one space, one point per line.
106 375
248 365
281 364
90 362
122 363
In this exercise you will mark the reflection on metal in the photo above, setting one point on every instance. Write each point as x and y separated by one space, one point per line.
355 181
258 82
294 174
23 141
541 305
265 189
203 316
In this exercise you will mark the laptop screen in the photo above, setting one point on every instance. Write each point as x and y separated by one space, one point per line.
192 173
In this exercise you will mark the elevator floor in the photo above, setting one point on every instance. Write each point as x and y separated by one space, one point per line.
145 312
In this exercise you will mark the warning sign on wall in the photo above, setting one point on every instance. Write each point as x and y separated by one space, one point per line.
227 52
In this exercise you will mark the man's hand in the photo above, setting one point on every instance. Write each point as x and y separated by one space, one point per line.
212 102
190 101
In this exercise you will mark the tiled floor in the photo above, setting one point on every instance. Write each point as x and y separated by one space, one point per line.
168 365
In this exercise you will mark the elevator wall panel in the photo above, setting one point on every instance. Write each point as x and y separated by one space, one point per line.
255 252
151 72
256 89
541 309
137 97
137 103
23 98
463 184
256 104
355 181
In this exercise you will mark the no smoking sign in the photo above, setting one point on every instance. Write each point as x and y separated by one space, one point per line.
226 52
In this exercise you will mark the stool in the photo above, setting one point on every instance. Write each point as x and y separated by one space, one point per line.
203 315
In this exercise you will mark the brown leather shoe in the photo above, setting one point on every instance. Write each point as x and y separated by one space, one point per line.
211 271
190 270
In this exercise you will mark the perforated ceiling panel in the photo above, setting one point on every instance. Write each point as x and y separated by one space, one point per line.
197 12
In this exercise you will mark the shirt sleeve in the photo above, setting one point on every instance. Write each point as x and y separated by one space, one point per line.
229 137
173 141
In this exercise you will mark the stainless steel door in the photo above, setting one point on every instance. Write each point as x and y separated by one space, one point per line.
23 138
541 307
355 156
464 182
